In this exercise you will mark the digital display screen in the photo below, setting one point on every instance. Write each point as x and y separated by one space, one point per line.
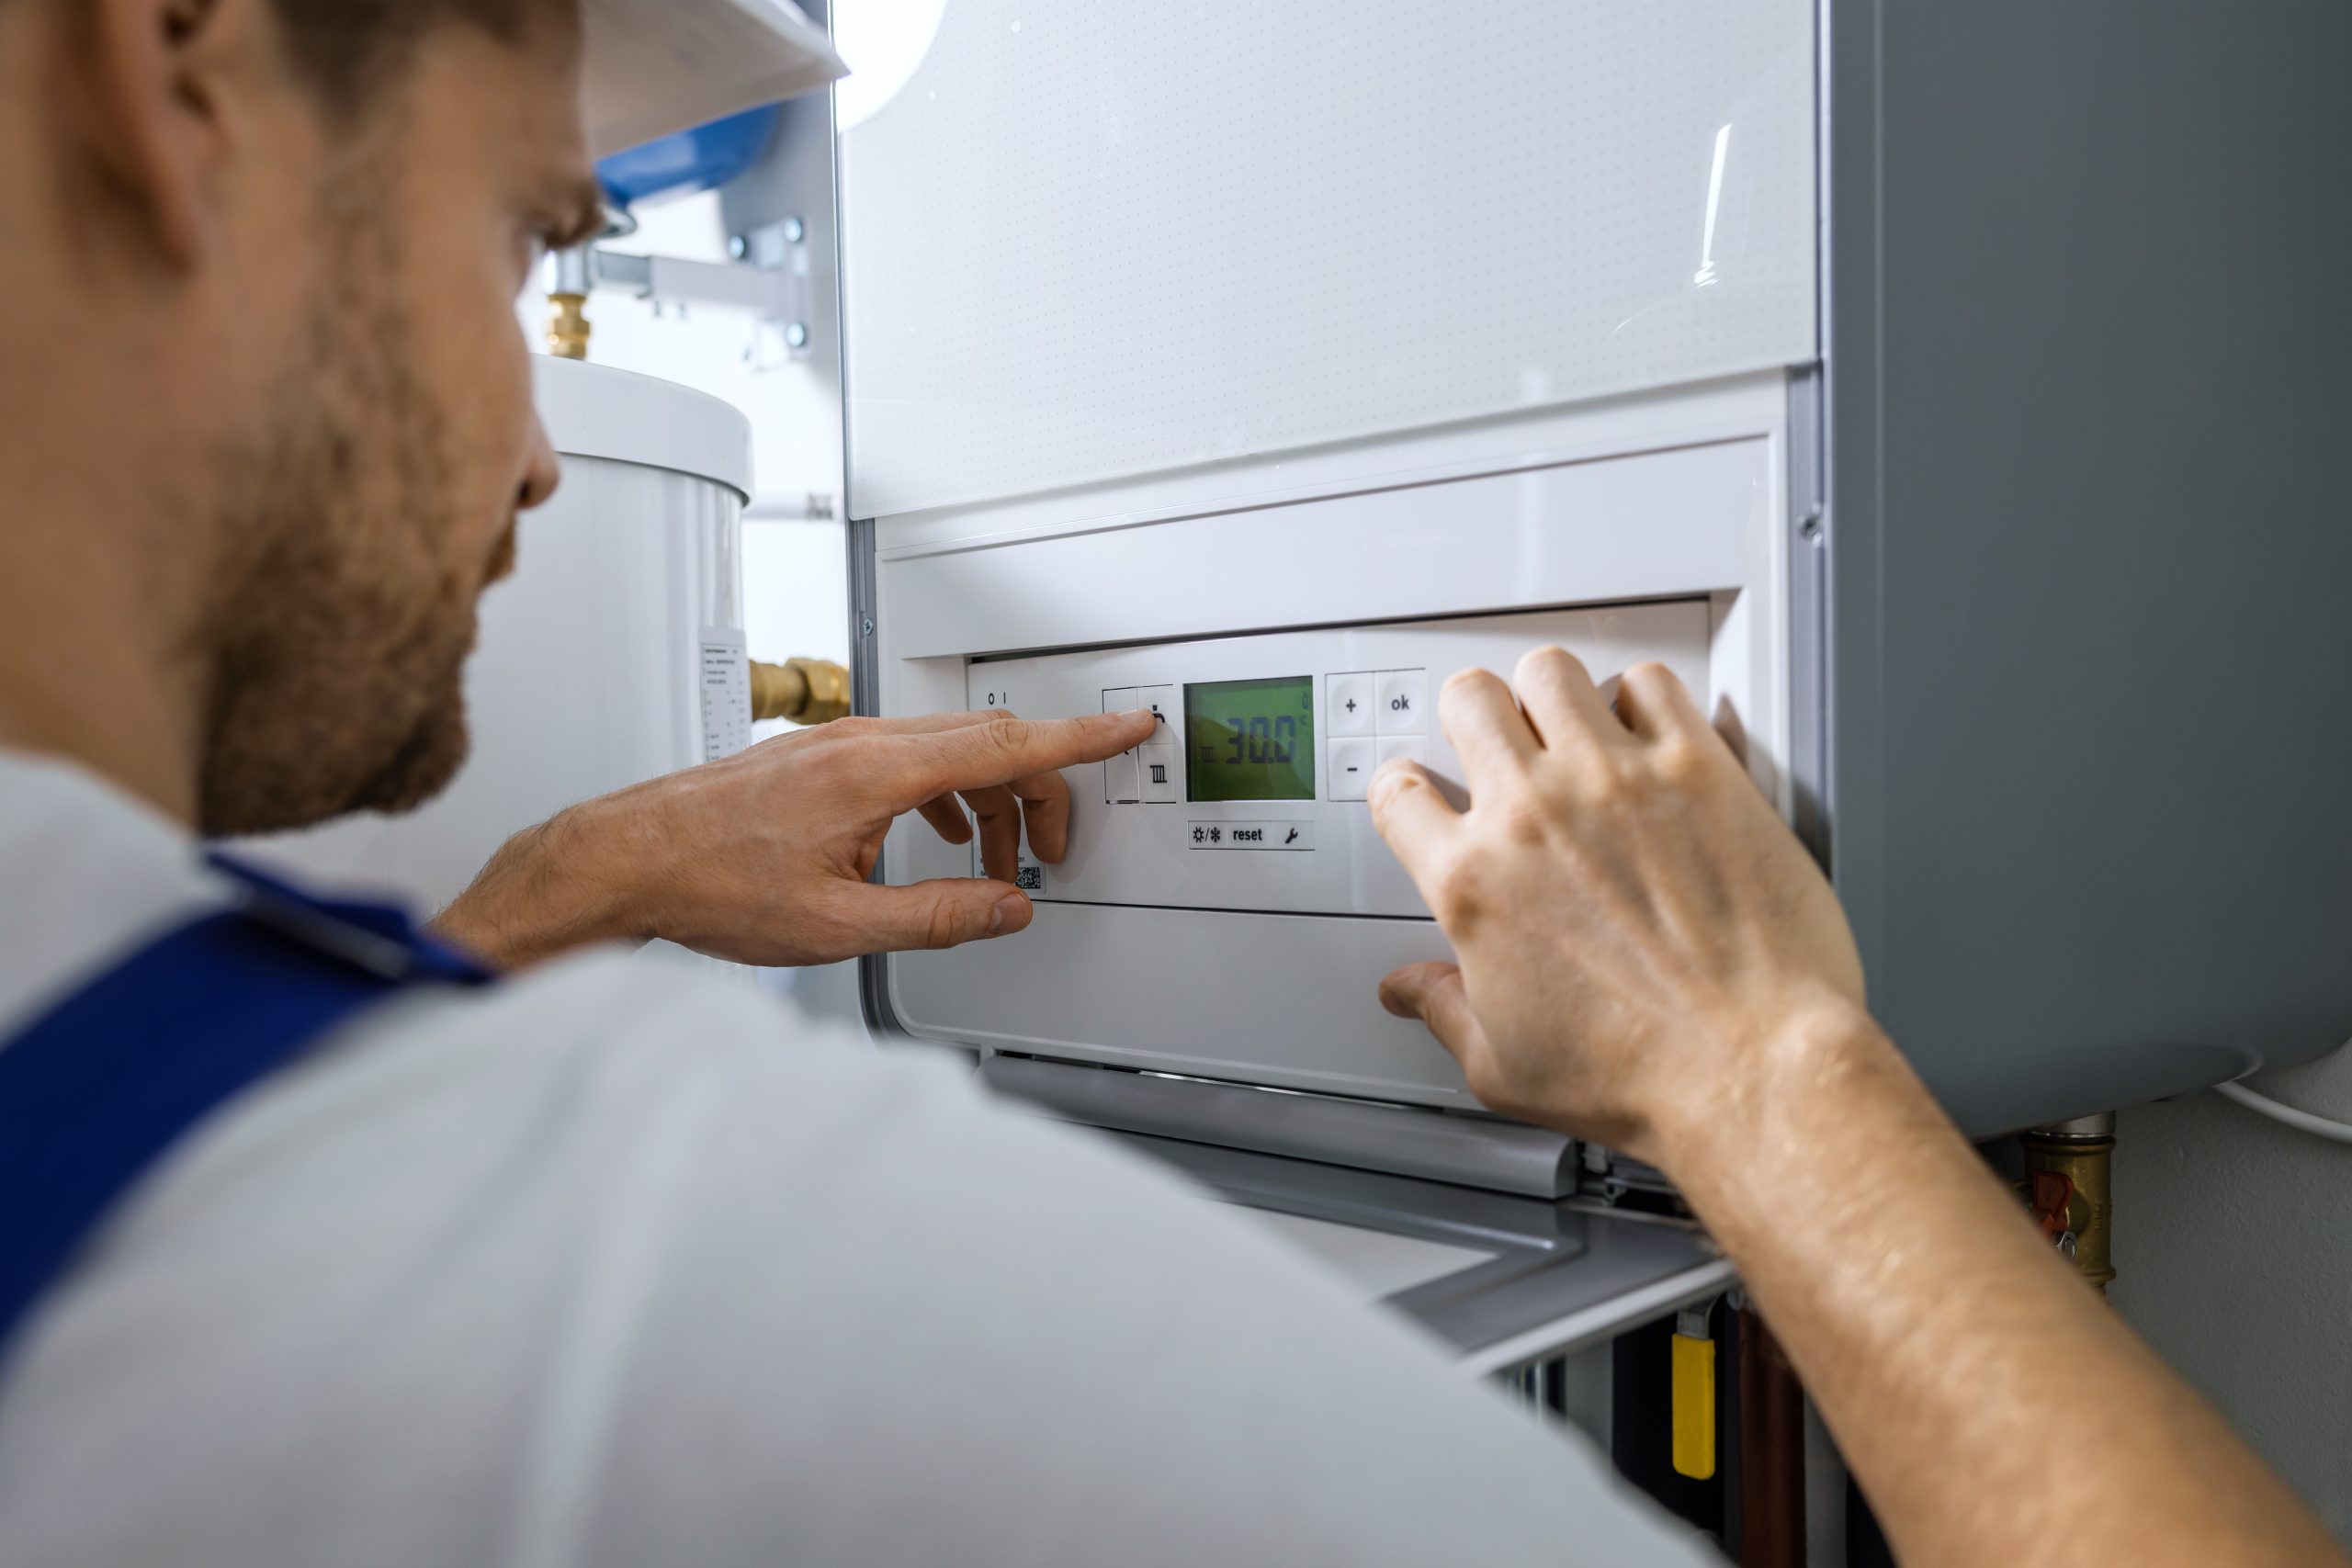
1251 739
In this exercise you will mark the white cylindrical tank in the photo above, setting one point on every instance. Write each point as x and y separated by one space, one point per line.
612 654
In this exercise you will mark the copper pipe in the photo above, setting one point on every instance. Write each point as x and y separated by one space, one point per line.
805 691
2070 1185
1771 1450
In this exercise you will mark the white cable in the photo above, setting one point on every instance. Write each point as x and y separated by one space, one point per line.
2286 1115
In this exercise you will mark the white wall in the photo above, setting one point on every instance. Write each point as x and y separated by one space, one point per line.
2233 1242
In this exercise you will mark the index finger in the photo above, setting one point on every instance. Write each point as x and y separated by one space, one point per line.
1000 751
1417 822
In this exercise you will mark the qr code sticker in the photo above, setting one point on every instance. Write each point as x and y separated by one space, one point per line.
1029 878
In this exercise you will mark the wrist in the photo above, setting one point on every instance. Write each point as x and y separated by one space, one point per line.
1824 1059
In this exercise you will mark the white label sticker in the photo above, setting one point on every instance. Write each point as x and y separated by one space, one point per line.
725 692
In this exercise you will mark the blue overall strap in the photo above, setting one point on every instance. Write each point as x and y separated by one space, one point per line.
96 1091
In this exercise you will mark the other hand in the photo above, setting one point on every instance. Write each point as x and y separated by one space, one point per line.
1639 935
762 857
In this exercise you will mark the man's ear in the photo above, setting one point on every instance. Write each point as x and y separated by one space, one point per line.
154 72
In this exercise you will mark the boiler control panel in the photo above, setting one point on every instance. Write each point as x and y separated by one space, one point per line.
1251 794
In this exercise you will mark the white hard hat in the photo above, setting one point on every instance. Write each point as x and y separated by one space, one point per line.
657 66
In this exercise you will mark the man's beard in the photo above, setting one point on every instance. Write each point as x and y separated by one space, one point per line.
337 643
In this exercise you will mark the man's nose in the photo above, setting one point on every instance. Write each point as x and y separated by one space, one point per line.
540 470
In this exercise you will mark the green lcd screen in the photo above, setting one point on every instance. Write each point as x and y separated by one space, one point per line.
1251 739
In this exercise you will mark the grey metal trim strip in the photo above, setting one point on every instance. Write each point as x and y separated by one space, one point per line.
864 696
865 670
1435 1146
1808 557
1602 1320
859 548
1563 1275
1372 1200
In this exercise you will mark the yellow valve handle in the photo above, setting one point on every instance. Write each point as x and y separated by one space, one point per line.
1694 1407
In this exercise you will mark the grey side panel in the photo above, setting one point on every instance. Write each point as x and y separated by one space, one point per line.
1849 345
2089 343
1437 1145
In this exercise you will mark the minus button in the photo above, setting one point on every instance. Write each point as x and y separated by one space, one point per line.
1351 760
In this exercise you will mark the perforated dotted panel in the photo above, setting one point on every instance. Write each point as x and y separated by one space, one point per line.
1094 239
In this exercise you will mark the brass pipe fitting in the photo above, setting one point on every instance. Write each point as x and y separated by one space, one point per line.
2069 1183
568 326
805 691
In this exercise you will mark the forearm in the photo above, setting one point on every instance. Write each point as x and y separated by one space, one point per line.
1995 1409
545 892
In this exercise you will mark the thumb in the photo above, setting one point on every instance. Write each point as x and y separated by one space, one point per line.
945 912
1434 994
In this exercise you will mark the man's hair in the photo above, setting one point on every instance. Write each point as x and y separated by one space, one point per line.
350 50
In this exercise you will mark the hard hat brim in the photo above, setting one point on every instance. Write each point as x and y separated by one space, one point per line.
657 66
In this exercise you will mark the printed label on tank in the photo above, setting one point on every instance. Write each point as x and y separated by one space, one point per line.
725 692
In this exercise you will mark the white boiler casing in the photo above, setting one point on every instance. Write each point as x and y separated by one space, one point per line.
614 653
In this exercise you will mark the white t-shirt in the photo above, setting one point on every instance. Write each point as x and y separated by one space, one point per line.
619 1264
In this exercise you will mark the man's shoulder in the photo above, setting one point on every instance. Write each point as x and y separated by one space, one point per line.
615 1263
575 1054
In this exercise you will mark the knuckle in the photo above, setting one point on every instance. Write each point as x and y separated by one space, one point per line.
848 756
1678 760
1650 675
1004 734
1389 785
1457 889
1552 662
939 925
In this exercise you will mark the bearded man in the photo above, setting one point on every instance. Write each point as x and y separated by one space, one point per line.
331 1241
